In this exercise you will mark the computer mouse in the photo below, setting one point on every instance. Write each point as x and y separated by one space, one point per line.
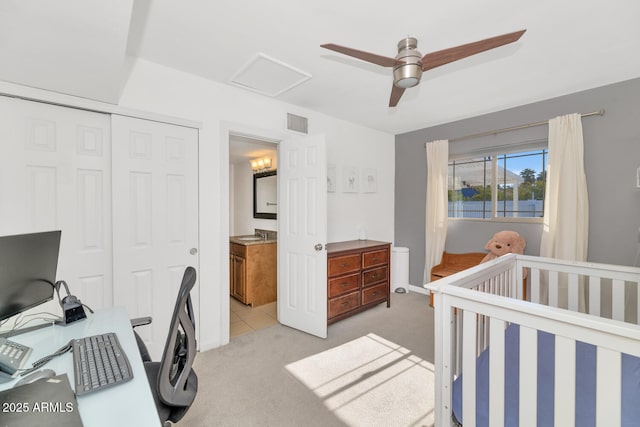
37 375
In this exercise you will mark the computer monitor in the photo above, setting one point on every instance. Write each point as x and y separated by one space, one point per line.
28 264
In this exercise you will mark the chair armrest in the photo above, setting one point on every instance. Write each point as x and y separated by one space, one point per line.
140 321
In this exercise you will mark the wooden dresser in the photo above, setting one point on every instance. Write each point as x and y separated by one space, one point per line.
357 277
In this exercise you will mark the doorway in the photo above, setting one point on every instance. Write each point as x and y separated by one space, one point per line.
251 157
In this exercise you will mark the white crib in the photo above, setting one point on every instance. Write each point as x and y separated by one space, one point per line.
596 304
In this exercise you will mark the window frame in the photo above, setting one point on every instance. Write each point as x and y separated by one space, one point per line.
495 152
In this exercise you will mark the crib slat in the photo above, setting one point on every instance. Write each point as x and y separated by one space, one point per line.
457 342
511 277
594 295
528 376
617 299
565 382
517 276
553 288
574 298
608 388
637 286
535 285
496 372
469 368
479 335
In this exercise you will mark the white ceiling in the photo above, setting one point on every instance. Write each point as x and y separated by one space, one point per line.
243 149
76 47
570 45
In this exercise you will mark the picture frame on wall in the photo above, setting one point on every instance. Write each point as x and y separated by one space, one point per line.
332 177
350 179
369 180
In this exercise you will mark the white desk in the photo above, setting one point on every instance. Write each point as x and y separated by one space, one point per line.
130 403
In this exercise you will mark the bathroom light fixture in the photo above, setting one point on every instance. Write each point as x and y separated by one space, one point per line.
260 164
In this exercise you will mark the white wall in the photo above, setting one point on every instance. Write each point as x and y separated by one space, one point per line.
241 213
221 108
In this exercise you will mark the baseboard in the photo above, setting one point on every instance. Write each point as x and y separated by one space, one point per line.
418 289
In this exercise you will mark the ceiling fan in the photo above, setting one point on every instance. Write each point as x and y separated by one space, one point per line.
409 64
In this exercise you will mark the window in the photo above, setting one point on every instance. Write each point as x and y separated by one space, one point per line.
515 190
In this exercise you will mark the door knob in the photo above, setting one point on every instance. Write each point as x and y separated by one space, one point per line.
193 251
318 247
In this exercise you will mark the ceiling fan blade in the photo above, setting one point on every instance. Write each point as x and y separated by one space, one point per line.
360 54
445 56
396 93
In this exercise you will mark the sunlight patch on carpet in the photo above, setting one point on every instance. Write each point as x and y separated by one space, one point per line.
371 381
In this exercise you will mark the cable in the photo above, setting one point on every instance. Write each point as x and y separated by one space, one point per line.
44 360
24 321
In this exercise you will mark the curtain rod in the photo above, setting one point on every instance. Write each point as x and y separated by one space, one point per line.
600 112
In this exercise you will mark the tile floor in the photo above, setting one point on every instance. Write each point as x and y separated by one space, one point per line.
245 319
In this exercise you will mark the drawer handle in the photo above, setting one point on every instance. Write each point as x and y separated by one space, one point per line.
376 259
346 264
375 275
346 303
374 294
344 284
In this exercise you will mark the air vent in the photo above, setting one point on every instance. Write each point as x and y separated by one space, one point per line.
268 76
297 123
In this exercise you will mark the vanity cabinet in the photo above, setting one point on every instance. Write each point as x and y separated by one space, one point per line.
237 269
357 277
253 272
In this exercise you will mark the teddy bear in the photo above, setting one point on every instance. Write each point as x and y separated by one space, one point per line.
504 242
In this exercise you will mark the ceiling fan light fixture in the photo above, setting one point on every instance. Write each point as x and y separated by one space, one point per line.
407 82
407 75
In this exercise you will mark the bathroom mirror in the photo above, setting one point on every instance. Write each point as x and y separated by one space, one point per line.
265 195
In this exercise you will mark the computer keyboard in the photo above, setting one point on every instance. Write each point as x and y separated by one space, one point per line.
99 362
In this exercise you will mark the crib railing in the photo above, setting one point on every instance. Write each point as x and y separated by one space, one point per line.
467 321
598 289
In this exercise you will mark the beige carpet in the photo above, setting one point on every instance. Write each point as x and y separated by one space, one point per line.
374 369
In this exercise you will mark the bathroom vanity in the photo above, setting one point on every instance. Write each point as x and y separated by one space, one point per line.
253 269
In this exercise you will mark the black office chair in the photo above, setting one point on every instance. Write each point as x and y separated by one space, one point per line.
173 382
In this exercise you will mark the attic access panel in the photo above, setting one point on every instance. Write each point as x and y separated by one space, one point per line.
268 76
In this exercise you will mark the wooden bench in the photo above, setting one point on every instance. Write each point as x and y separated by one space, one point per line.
452 263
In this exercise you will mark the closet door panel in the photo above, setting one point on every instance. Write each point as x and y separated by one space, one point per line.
55 174
155 184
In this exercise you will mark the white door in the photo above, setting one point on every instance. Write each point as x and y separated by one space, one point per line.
55 174
302 234
155 219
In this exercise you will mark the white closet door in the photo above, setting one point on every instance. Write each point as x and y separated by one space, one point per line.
155 219
55 174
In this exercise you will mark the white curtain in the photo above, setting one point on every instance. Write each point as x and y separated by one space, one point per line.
566 207
437 204
565 231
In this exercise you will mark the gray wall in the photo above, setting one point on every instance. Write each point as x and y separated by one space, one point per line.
612 155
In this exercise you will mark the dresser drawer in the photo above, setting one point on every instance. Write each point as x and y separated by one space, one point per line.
371 259
374 276
374 293
343 264
343 284
343 304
